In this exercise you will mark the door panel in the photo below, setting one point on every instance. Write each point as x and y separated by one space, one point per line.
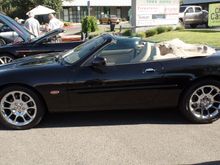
189 16
116 87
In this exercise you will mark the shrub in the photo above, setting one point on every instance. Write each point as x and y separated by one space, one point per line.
151 32
127 33
179 28
94 25
89 24
161 29
140 34
169 28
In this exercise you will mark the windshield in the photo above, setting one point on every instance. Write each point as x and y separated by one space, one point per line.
83 50
182 9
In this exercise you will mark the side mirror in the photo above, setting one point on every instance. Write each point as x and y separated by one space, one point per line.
99 62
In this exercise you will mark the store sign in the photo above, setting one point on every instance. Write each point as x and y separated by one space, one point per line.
157 12
214 14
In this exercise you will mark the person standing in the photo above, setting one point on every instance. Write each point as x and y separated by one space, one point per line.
32 24
54 23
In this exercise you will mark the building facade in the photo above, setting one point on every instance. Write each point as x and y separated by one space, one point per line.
203 3
75 10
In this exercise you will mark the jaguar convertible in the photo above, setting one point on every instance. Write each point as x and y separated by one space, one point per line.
112 73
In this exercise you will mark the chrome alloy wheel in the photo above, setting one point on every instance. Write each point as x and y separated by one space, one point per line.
5 60
205 102
18 108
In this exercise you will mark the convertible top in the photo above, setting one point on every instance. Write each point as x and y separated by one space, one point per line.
178 49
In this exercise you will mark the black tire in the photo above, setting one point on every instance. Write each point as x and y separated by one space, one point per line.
181 23
185 102
40 108
193 26
10 58
207 25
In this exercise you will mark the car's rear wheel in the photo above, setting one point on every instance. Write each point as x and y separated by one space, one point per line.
201 103
207 25
6 58
20 108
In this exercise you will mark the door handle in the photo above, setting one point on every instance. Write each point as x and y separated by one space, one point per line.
149 70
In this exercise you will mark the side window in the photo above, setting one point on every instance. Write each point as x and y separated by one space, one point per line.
123 53
198 9
189 10
117 54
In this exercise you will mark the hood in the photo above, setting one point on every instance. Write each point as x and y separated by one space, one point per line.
48 35
20 30
40 60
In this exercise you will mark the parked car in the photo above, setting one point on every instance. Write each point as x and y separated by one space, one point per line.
25 44
109 19
6 34
108 73
193 16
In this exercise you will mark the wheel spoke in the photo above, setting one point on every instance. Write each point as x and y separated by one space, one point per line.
10 115
5 59
24 118
7 108
29 115
1 61
15 119
218 102
7 102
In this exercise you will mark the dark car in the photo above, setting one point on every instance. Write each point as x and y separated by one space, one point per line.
25 43
108 73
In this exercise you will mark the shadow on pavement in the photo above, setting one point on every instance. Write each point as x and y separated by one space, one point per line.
108 118
209 163
102 118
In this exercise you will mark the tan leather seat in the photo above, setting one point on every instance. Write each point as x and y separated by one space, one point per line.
144 55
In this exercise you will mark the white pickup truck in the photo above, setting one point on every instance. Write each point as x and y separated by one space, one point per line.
193 16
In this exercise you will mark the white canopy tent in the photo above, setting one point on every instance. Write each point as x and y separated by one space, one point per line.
41 10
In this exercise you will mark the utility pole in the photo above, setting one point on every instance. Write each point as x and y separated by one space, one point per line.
88 5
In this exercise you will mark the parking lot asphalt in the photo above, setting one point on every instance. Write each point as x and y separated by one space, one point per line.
114 138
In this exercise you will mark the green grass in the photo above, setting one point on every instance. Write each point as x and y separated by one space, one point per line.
210 38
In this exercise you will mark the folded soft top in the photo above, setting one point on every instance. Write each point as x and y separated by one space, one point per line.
178 49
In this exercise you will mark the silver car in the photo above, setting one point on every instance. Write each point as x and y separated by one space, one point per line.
7 35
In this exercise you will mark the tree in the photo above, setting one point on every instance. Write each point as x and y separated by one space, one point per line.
5 6
55 4
20 7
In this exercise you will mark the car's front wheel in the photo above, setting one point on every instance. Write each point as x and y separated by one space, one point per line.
6 58
201 102
20 108
2 42
193 26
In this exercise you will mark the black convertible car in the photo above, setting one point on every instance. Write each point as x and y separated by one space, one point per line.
24 43
108 73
